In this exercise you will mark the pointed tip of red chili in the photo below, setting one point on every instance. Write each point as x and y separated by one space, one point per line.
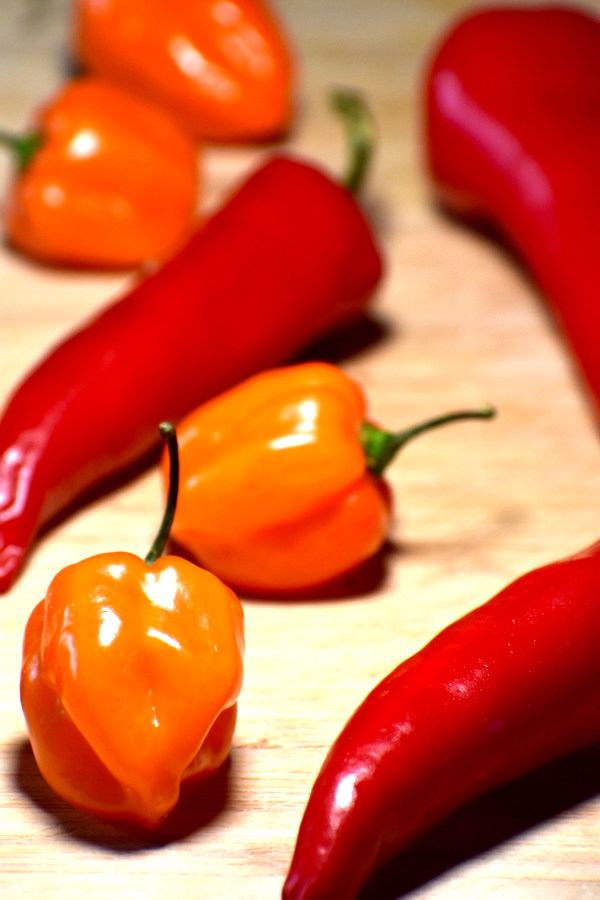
11 559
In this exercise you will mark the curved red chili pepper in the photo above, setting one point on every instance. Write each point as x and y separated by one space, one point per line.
510 686
287 258
512 136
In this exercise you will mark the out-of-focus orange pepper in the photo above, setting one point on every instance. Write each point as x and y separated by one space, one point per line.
223 66
105 179
281 486
130 678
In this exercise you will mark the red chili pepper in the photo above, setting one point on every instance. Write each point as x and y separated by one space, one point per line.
510 686
287 258
224 68
105 179
513 138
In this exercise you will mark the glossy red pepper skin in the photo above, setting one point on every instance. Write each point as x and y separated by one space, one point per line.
512 138
510 686
287 258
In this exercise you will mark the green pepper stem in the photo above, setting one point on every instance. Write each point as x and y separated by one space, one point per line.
380 446
168 434
23 146
361 136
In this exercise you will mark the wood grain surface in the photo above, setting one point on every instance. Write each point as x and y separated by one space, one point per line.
457 323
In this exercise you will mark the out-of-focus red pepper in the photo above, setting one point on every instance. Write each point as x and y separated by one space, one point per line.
512 138
131 673
105 179
288 257
222 66
510 686
281 486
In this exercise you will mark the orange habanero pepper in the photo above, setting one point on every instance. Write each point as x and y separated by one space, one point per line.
130 678
222 66
281 486
105 179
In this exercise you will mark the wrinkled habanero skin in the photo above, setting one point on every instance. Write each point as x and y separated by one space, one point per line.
275 491
129 682
112 184
225 69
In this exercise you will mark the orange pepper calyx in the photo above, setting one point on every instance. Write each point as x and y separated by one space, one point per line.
381 446
23 146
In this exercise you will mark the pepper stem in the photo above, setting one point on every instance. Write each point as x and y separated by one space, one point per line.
168 434
361 135
23 146
380 446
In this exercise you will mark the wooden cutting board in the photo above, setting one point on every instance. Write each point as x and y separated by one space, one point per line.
476 505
